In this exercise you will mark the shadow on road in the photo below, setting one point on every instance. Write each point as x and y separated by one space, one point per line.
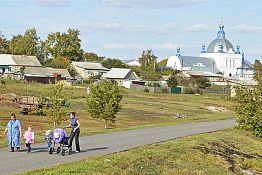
95 149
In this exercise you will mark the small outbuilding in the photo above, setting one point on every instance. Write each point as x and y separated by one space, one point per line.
45 74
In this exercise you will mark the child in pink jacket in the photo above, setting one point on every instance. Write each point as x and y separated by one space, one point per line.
29 138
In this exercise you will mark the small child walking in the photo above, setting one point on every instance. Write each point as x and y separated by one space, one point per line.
29 138
49 138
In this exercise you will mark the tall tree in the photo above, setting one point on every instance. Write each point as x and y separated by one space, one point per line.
4 45
54 108
59 62
66 44
92 57
103 101
148 60
162 62
110 63
26 44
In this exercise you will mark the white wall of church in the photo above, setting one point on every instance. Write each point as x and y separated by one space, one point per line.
174 62
227 63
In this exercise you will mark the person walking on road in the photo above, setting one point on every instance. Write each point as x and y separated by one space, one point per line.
75 132
29 138
14 133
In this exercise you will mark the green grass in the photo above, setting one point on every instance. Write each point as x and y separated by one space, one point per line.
206 154
139 109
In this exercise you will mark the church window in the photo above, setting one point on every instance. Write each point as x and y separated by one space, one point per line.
233 63
230 63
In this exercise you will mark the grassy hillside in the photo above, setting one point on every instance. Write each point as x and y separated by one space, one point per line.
219 153
139 109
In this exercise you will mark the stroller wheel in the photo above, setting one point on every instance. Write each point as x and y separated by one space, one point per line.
70 151
58 150
51 150
62 152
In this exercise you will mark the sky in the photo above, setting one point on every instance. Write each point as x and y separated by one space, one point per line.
124 28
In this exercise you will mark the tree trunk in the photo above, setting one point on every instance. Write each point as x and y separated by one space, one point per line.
54 125
105 124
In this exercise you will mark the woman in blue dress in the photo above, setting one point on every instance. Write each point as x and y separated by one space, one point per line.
14 132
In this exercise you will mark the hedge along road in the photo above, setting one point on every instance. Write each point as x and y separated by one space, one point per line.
102 144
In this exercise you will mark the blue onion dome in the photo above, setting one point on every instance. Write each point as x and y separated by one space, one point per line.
215 45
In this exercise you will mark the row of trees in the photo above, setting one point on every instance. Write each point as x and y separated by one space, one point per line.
59 44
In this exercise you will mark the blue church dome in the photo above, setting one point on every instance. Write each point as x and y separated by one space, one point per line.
220 42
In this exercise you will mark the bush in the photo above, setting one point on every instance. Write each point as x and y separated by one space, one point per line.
146 90
248 103
189 90
153 84
202 82
165 90
172 81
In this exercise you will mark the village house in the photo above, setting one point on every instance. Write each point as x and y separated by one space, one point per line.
88 69
123 77
12 64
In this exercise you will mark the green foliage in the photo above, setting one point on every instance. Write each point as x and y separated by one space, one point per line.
172 81
258 69
162 62
248 102
150 76
92 57
59 62
92 79
113 63
54 106
4 45
146 90
26 44
104 101
163 70
153 84
65 44
202 82
72 71
148 60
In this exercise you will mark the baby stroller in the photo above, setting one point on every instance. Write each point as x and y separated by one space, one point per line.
60 138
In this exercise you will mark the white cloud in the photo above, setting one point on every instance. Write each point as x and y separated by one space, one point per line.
250 14
245 28
118 27
164 46
198 27
150 3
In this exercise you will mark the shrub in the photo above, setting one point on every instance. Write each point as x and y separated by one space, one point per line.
172 81
248 103
146 90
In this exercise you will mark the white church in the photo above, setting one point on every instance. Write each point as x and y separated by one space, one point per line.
219 57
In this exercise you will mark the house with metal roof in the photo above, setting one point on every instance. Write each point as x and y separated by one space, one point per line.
88 69
124 77
45 74
13 63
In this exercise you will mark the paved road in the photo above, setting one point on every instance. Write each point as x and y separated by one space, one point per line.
101 144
